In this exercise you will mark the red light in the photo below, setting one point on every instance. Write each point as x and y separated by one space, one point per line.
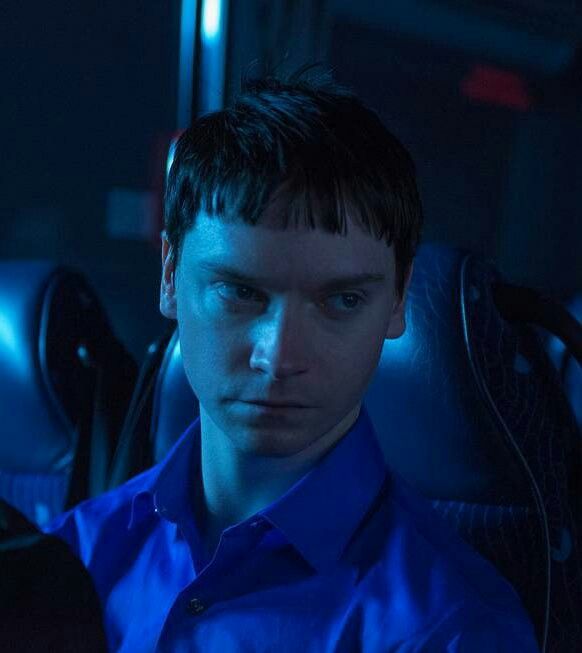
495 86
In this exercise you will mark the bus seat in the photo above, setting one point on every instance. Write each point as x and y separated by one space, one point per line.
66 382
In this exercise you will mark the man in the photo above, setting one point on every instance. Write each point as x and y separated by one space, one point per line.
292 220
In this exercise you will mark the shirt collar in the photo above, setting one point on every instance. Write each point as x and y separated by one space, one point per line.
167 487
318 515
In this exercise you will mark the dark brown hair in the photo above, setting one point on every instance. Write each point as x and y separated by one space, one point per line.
313 140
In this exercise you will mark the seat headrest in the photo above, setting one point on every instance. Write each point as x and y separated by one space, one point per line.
175 406
50 319
425 399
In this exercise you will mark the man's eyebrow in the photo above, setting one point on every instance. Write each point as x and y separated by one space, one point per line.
363 278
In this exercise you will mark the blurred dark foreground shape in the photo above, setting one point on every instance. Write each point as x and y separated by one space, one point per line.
47 601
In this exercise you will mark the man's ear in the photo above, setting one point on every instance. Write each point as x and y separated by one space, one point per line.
168 307
397 324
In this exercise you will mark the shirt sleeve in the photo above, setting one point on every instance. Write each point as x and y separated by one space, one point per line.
469 630
65 527
79 528
488 638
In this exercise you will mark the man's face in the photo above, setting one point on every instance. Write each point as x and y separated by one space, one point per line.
284 336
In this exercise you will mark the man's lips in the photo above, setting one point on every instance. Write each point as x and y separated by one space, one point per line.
275 404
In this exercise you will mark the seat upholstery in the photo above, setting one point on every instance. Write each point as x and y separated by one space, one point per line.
568 367
470 411
55 344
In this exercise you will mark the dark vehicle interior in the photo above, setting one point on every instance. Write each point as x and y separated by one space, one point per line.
478 404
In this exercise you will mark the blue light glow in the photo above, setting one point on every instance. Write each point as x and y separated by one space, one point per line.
13 357
8 335
211 11
171 152
212 55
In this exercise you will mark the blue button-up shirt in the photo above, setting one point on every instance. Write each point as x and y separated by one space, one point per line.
348 559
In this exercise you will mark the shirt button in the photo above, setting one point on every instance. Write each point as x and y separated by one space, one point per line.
196 606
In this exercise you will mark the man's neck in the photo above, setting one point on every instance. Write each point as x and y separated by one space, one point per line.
237 484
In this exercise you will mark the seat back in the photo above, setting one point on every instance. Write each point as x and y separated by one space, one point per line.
469 410
66 382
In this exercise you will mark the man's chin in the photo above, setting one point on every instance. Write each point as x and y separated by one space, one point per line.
265 444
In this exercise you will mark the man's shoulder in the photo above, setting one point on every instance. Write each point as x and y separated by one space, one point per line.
427 555
80 525
425 570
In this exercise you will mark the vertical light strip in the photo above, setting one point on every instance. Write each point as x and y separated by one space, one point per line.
187 59
211 19
213 55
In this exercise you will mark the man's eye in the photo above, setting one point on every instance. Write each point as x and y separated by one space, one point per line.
348 302
237 295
